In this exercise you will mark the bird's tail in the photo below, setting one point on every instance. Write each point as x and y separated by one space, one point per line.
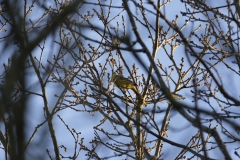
137 93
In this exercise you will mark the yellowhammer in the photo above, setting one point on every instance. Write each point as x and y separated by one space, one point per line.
122 82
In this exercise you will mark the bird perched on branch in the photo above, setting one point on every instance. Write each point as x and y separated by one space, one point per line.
124 83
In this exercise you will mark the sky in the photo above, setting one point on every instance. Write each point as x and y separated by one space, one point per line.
84 122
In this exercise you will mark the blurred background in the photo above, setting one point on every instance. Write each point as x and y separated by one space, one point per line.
57 100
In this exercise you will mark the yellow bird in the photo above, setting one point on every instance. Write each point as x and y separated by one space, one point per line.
124 83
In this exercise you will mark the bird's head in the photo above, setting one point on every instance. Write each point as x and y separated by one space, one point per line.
113 78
